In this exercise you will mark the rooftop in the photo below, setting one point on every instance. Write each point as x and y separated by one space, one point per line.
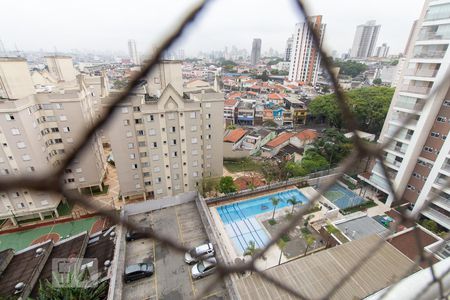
314 275
361 227
235 135
308 134
280 139
230 102
406 242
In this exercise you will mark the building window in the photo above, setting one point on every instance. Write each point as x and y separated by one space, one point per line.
172 129
124 110
134 166
193 115
152 132
150 118
174 154
195 174
410 187
416 175
158 180
31 169
173 142
156 169
138 121
435 134
428 149
141 144
62 118
194 140
130 145
21 145
140 132
208 147
136 109
66 129
195 152
132 156
171 116
194 163
26 157
441 119
82 179
155 157
15 131
159 191
9 117
193 128
126 122
207 105
129 133
175 166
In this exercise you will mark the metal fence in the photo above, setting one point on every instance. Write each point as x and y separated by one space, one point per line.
52 181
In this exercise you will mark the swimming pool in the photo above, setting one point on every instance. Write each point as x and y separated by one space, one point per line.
240 222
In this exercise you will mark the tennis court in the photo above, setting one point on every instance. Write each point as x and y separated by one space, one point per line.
23 239
342 197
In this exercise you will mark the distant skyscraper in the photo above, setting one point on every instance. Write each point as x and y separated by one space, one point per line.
133 52
382 51
288 51
256 51
305 59
365 40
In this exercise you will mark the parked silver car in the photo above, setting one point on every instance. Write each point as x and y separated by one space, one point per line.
204 268
198 253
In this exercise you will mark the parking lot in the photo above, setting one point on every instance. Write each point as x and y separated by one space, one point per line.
172 279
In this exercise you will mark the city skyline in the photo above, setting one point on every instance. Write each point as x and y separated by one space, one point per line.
113 35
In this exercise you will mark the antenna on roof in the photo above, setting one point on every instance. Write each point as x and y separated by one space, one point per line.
17 50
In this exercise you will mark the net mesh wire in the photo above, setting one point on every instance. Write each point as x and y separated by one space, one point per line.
52 182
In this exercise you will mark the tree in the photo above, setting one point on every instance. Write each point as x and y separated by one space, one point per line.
377 81
333 146
208 185
309 239
293 201
350 67
226 185
72 287
430 225
264 76
368 105
252 250
275 202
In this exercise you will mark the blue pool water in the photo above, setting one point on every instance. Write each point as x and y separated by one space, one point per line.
342 197
240 223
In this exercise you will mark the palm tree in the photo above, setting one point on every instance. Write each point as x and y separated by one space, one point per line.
275 202
309 239
72 287
293 202
251 250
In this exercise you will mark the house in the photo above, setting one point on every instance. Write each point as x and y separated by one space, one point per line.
298 109
303 138
275 98
232 144
273 147
245 113
362 135
196 83
290 152
278 115
249 182
259 114
229 111
256 139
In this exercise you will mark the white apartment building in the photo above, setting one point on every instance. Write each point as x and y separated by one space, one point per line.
132 51
365 39
38 125
165 140
305 57
418 159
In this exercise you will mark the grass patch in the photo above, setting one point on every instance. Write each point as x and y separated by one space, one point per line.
95 191
337 233
363 206
272 222
242 165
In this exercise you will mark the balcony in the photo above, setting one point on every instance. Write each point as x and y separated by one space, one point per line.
440 201
425 36
421 72
422 90
430 54
438 217
393 162
403 119
414 106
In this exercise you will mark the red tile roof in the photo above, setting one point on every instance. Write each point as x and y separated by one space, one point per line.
280 139
245 182
308 134
275 97
230 102
235 135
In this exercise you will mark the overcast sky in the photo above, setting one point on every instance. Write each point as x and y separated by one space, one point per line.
108 24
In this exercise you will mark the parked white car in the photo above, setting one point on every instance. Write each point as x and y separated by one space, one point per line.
198 253
204 268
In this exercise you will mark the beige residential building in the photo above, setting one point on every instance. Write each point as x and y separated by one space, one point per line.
165 140
39 123
418 158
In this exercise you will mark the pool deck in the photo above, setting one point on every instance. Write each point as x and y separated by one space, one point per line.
273 254
255 195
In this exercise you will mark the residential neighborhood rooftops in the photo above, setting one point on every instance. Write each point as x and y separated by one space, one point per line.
308 134
235 135
280 139
230 102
